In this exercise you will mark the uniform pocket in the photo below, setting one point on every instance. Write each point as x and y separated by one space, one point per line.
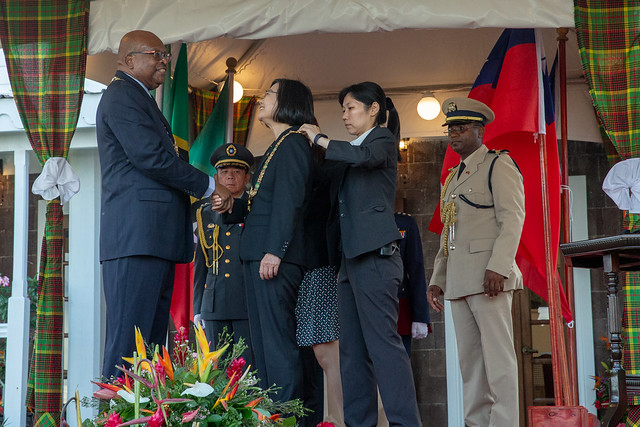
481 245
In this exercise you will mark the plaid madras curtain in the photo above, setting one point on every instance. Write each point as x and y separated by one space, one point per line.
202 102
45 49
609 41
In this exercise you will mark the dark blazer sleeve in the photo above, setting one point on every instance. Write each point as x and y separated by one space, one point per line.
413 260
376 152
290 185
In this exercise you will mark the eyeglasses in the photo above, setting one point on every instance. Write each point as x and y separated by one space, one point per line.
157 54
458 129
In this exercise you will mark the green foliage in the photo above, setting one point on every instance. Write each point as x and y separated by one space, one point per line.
32 293
211 388
5 293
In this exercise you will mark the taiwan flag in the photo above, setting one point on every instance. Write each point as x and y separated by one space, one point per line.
515 84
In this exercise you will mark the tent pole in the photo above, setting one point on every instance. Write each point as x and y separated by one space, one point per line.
566 218
558 351
231 71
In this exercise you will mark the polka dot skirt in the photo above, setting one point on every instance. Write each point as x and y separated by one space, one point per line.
317 307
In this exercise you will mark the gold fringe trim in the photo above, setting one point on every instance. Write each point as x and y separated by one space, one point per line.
214 246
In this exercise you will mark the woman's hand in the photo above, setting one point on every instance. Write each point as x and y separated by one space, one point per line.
269 266
310 131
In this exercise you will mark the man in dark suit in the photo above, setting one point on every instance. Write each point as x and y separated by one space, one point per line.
145 224
219 295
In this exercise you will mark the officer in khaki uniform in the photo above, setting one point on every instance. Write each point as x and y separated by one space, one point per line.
219 295
482 209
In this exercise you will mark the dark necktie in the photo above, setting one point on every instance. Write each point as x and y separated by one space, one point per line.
460 169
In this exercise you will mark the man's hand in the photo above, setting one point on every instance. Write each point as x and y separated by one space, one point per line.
269 266
221 198
493 283
433 296
419 330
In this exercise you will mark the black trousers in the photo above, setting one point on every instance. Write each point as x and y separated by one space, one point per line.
271 305
371 351
137 292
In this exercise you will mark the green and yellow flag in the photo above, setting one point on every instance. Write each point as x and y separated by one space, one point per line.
175 107
212 134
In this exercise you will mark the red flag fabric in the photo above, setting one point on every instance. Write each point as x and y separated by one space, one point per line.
182 298
515 84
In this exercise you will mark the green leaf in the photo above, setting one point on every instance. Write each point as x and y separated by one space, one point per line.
289 422
214 418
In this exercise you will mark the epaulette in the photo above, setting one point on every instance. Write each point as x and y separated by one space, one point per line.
498 152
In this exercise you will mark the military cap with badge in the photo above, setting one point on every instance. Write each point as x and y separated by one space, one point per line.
460 110
232 154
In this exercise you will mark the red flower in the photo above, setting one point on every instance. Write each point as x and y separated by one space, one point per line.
159 367
326 424
189 416
157 419
181 346
113 420
105 393
597 404
182 336
235 367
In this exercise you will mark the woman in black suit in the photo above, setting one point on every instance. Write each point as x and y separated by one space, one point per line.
272 242
371 351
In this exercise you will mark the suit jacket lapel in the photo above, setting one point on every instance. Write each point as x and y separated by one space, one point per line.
124 76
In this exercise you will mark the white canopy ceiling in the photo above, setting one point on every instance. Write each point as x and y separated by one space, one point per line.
197 20
407 46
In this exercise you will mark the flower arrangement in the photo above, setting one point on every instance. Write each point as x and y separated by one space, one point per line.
601 387
200 388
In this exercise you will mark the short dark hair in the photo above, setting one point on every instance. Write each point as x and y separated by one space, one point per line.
295 103
368 93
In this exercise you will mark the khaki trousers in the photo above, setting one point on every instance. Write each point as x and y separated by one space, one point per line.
488 363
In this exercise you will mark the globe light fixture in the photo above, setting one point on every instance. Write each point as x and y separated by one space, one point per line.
237 91
428 107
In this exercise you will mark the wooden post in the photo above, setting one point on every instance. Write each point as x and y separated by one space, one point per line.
566 218
558 351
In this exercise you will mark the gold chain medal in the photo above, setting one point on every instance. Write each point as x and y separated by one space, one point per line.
254 189
447 213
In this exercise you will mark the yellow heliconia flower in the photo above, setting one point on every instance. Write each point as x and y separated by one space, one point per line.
225 399
166 361
204 355
140 349
203 344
